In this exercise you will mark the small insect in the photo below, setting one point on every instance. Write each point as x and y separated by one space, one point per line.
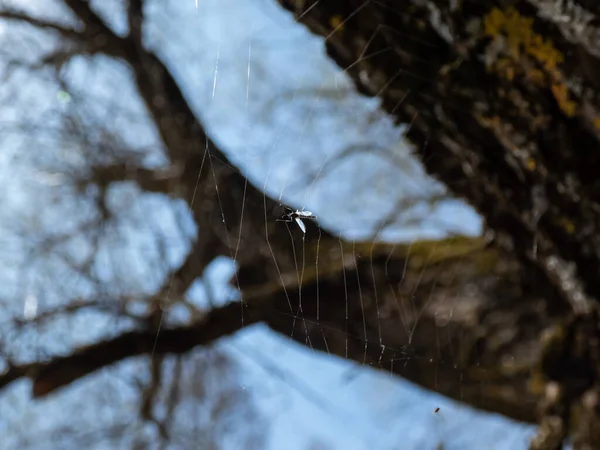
297 216
436 410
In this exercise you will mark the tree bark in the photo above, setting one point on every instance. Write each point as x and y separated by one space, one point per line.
503 105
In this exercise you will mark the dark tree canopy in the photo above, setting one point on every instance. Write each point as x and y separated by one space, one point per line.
501 101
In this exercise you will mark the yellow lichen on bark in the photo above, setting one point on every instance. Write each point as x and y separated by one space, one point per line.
561 94
567 225
336 22
519 41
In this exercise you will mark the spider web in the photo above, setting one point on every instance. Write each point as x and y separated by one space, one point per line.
306 138
290 182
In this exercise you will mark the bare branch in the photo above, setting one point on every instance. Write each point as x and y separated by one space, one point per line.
62 370
150 393
68 309
157 180
14 372
94 38
92 22
40 23
135 16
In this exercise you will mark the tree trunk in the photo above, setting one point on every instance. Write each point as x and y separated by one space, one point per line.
503 106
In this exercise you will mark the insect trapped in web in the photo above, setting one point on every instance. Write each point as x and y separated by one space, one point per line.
297 216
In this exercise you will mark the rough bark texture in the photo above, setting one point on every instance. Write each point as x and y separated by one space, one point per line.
502 106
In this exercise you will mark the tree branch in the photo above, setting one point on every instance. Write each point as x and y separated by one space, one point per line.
500 97
473 152
13 15
445 329
60 371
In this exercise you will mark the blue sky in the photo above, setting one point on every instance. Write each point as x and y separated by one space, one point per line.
249 71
